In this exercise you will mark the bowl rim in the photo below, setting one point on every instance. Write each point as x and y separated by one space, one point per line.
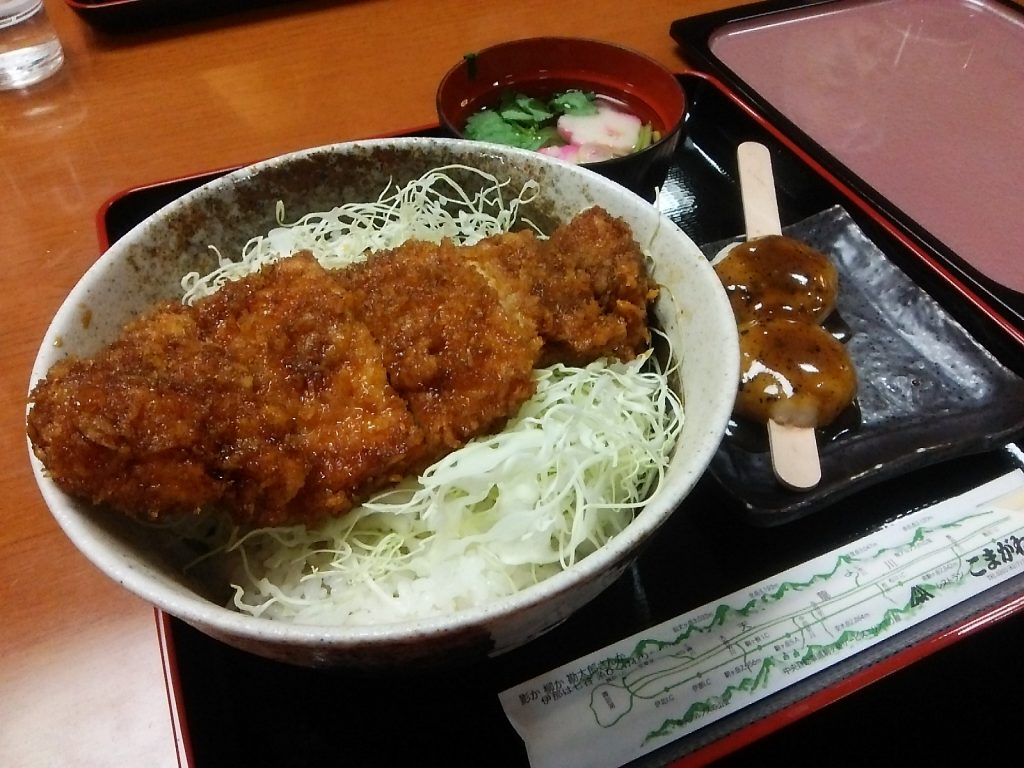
197 610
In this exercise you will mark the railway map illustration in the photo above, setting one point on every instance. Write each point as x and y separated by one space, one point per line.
636 695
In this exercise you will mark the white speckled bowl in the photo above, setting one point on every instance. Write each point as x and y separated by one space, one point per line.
147 264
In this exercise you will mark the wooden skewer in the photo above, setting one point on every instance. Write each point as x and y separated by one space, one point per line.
794 450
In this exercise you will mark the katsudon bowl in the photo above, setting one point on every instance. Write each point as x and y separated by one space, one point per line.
147 265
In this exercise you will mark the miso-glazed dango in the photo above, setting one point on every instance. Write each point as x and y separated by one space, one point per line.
794 373
779 276
792 370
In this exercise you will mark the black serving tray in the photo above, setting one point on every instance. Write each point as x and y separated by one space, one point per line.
239 709
128 16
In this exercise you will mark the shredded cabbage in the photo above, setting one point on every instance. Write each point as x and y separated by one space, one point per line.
431 208
508 510
566 475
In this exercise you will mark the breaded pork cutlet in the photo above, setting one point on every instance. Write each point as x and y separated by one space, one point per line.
292 394
456 346
268 398
590 286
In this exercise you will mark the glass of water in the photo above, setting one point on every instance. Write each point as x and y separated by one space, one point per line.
29 48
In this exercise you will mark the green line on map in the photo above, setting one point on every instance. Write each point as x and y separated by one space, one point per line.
812 654
724 612
658 681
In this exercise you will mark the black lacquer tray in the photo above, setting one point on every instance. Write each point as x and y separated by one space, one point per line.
237 709
130 16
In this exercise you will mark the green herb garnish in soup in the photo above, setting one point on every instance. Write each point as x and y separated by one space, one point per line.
575 126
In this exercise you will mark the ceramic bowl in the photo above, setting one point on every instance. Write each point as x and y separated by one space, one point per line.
146 265
543 66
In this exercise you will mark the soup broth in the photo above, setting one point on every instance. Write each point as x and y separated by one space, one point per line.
577 122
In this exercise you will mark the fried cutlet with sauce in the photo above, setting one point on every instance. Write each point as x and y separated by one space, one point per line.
293 394
269 399
589 282
457 349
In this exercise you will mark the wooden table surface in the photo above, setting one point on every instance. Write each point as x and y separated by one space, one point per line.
81 681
